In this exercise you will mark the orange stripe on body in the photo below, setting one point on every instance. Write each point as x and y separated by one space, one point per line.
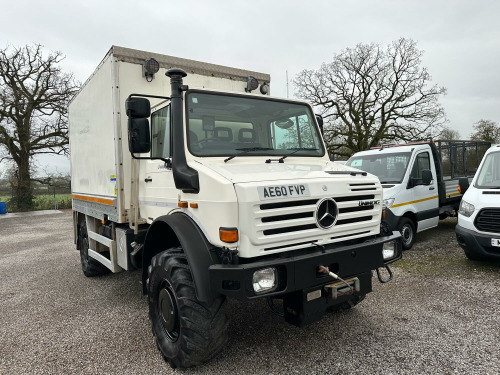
92 199
417 201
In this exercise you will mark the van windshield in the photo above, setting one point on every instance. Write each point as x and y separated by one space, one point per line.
226 125
389 168
489 175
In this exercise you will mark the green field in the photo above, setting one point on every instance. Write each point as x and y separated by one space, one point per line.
44 202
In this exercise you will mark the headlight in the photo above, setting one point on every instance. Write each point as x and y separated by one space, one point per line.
265 280
387 203
466 208
388 250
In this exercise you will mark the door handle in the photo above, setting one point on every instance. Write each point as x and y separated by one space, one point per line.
431 188
148 179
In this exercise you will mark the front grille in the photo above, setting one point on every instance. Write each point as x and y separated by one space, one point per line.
363 186
299 215
292 217
354 220
488 220
270 206
289 229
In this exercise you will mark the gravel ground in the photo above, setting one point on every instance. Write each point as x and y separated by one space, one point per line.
439 315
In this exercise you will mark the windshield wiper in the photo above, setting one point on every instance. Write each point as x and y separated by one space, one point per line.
246 150
295 149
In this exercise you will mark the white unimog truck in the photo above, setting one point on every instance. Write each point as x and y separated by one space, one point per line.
213 189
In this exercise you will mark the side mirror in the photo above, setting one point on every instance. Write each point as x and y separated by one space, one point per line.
138 112
137 107
463 184
319 118
426 177
139 140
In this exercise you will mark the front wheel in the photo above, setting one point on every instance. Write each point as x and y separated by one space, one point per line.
407 230
188 332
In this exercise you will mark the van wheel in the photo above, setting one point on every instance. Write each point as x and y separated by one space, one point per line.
90 266
407 230
188 332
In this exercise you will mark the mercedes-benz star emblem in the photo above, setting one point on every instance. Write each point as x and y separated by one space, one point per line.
326 213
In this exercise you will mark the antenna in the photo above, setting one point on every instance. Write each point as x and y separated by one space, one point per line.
287 84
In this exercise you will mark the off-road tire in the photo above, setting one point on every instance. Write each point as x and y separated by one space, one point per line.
188 332
349 304
408 230
90 266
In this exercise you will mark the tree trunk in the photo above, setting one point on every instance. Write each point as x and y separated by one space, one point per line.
24 195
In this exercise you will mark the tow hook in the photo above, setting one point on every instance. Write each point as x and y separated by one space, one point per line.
383 281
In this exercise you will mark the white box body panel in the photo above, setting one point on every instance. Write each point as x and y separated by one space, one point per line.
91 135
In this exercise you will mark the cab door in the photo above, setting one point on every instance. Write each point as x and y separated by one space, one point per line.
157 192
425 199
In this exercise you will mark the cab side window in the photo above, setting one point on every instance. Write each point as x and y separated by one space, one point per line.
160 133
421 162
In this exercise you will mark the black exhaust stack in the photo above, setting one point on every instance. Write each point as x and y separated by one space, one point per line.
185 177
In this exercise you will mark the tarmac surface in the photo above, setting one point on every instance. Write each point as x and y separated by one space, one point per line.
440 315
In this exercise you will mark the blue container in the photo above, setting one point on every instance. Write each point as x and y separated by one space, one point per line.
3 208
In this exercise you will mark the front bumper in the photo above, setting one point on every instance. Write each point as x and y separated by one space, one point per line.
390 220
477 243
300 272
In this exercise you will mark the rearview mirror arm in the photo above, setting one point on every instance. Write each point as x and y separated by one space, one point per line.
167 161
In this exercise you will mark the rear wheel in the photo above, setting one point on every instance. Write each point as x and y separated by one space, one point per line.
90 266
188 332
407 230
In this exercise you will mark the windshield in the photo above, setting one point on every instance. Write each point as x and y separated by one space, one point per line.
489 175
225 125
389 168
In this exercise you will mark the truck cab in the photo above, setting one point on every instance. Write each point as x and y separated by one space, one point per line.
420 181
478 228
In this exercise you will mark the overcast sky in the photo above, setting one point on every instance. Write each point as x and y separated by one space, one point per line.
460 39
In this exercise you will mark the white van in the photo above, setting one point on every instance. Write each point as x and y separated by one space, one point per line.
478 229
420 181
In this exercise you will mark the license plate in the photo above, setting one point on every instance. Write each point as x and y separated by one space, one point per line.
495 242
283 191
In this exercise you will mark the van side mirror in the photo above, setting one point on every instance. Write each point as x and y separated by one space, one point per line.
319 119
463 184
426 177
138 112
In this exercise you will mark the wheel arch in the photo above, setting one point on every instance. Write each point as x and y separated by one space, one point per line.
412 216
178 229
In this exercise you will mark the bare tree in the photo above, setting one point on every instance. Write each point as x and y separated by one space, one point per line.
34 94
449 134
368 96
486 130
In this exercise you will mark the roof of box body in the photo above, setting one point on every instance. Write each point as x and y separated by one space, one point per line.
190 66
